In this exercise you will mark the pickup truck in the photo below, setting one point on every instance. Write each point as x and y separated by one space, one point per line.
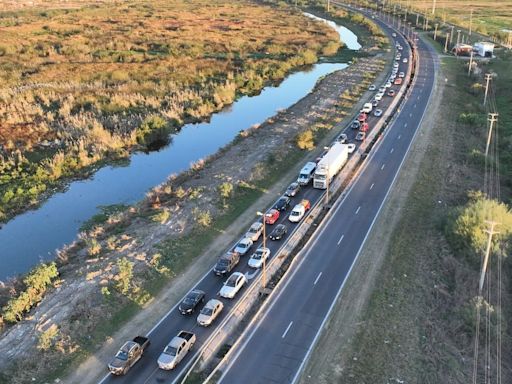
176 350
128 355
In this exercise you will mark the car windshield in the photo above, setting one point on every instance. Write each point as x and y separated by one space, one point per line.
320 177
189 300
303 176
222 262
257 255
122 355
207 311
231 281
170 350
242 245
295 213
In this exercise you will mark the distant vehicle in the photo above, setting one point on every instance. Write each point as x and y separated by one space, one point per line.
391 92
401 74
382 89
388 84
128 355
282 204
233 284
176 350
257 258
364 127
342 138
393 34
404 60
243 246
226 263
271 216
378 112
292 189
279 232
209 313
351 147
330 165
398 81
190 302
375 103
400 47
378 96
361 136
355 124
395 65
367 108
306 173
397 58
372 87
362 117
392 77
255 231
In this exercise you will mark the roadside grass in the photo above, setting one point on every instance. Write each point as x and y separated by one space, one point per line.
418 323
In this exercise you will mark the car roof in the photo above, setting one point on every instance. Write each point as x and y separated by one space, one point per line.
308 167
257 225
212 303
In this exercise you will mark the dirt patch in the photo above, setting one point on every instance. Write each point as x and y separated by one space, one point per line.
78 305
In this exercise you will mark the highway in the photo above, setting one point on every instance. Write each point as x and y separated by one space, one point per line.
146 370
279 344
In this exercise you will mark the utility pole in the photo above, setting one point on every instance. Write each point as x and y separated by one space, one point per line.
328 5
470 63
446 42
264 274
487 252
327 181
451 34
433 6
435 30
487 79
493 117
417 18
470 20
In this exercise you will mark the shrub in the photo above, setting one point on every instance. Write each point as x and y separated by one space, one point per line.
305 140
203 218
93 247
162 216
47 338
125 275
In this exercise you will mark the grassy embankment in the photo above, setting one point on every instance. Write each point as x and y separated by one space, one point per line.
174 255
419 323
85 85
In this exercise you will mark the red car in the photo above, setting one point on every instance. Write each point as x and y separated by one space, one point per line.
364 127
398 81
306 204
362 117
271 216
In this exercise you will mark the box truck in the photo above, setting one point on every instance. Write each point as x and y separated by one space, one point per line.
330 165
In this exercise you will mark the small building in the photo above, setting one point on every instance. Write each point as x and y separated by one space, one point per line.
484 49
462 49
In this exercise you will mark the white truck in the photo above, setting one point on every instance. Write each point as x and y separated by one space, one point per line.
330 165
176 350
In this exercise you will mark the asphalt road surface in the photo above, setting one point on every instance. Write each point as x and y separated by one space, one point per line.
280 343
146 371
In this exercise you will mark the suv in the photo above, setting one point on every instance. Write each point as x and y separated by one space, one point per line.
226 263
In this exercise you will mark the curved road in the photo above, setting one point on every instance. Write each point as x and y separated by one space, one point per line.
281 341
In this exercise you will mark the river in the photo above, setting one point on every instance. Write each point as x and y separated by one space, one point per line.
34 236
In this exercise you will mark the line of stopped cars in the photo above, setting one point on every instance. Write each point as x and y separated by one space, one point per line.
317 173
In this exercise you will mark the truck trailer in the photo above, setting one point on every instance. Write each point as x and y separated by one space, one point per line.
330 165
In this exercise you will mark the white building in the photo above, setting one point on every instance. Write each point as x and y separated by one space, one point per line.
484 49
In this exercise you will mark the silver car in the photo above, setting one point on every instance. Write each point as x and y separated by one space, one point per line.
255 231
209 313
243 246
233 284
257 258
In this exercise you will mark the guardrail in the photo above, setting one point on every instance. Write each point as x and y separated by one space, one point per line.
338 187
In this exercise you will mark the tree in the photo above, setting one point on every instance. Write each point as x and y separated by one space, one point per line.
225 191
125 275
305 140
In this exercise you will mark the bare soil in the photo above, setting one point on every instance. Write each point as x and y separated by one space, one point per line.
77 306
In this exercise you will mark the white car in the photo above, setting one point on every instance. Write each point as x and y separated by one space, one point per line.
401 74
378 96
255 231
243 246
388 84
382 89
351 148
400 47
360 136
297 213
395 65
405 60
257 258
210 312
372 87
342 138
378 112
232 285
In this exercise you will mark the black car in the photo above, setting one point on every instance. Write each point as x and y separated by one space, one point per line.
279 232
292 189
355 124
282 203
226 263
191 301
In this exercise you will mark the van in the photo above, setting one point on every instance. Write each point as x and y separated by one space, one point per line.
306 173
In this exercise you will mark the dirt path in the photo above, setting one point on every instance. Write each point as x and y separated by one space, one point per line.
328 361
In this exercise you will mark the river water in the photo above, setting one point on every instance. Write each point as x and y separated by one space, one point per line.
35 235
